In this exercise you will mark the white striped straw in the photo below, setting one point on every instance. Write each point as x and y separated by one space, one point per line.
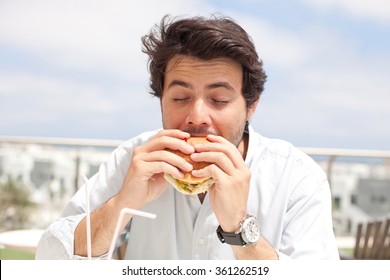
88 217
119 222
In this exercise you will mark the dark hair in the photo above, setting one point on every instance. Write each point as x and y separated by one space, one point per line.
204 39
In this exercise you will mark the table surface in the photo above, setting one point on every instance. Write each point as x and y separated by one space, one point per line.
25 240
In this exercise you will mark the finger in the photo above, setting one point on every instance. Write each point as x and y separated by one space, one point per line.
150 169
169 158
239 180
170 139
220 144
176 133
158 167
218 158
212 171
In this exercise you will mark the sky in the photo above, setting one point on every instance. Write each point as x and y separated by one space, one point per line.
75 68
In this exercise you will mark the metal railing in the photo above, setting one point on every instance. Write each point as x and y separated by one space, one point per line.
347 152
80 142
331 154
55 141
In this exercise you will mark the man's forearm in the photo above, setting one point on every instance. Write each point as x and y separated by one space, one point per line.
103 222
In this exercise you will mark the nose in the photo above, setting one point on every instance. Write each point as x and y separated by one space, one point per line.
198 114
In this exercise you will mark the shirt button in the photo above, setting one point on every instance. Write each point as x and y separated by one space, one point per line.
201 241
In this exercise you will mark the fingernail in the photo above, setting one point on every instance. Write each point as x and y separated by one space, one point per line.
188 166
196 173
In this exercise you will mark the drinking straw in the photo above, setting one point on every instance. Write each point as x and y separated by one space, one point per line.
119 222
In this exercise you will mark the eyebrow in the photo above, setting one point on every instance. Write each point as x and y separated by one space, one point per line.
210 86
179 83
220 85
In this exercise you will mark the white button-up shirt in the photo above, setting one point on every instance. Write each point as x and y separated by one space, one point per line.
289 194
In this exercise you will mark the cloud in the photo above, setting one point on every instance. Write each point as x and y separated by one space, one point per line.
87 76
85 34
33 104
42 95
78 64
277 46
322 88
376 10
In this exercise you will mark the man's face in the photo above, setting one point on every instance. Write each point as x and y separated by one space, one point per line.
205 97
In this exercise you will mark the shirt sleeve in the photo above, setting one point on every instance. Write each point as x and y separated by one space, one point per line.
57 242
309 232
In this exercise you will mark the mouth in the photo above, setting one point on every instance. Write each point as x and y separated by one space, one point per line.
198 131
199 135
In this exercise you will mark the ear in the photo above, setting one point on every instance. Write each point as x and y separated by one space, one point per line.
251 110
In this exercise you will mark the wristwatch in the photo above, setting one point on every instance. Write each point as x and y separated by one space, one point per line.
248 233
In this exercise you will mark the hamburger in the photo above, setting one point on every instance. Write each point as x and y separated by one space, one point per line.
189 184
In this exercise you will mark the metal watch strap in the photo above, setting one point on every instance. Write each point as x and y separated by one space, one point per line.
231 238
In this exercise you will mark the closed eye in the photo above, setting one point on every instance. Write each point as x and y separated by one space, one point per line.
180 100
221 102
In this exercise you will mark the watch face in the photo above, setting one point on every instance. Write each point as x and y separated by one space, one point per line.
251 230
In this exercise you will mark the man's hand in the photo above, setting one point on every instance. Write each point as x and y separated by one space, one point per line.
144 181
229 195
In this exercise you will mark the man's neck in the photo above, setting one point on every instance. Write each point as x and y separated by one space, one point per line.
201 197
243 146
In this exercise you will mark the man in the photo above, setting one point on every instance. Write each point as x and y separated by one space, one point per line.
268 200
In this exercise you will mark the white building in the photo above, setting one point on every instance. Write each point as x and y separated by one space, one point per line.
52 175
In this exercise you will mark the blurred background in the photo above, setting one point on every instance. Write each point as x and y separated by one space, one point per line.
74 84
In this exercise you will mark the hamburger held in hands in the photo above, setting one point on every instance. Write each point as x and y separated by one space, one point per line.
189 184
